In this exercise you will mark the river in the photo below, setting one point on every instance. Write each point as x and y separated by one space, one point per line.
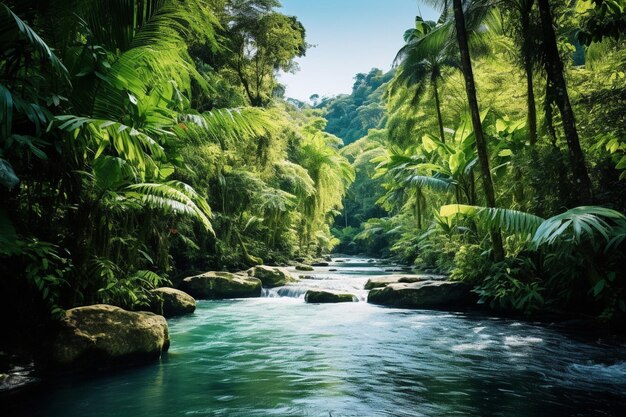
278 356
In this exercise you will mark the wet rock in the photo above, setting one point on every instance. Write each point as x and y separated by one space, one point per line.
307 277
383 281
221 285
328 296
426 294
332 270
170 302
103 336
371 261
271 276
320 264
303 267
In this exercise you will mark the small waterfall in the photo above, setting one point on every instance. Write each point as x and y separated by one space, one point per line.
269 293
291 291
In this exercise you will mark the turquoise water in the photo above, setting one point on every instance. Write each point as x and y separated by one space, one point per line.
277 356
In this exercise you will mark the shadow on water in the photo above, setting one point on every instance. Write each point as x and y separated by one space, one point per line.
277 356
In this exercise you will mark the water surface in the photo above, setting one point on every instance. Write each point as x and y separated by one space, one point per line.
277 356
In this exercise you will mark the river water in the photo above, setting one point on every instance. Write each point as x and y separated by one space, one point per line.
277 356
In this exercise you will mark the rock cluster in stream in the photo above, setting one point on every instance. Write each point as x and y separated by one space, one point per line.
104 336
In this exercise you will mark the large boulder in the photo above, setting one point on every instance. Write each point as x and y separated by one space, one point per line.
104 336
384 280
171 302
328 296
220 285
271 276
426 294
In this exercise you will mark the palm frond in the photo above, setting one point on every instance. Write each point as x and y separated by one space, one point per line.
512 221
15 29
578 224
433 183
175 197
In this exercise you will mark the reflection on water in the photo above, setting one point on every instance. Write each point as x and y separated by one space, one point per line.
278 356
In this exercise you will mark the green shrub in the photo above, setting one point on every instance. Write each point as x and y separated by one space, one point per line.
512 285
471 264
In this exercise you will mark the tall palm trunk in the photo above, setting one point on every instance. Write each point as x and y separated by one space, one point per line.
554 69
528 68
438 106
481 144
530 100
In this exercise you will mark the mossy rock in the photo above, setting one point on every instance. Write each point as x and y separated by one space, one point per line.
444 295
221 285
328 296
104 336
171 302
303 267
271 276
383 281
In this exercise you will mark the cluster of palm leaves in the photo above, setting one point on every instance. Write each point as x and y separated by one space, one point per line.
109 175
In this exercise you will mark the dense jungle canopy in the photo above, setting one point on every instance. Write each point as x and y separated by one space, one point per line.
141 140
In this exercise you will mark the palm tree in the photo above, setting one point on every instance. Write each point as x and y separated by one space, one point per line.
422 60
556 83
526 33
481 143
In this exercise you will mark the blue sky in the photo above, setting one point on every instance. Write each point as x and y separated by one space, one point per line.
350 36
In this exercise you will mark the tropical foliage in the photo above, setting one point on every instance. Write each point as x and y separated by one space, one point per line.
139 140
500 155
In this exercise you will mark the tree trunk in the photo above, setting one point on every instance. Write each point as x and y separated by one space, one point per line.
528 67
554 70
481 144
532 109
438 106
418 209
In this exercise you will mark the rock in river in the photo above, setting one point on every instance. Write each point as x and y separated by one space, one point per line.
384 280
220 285
271 276
103 336
426 294
171 302
304 267
328 296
